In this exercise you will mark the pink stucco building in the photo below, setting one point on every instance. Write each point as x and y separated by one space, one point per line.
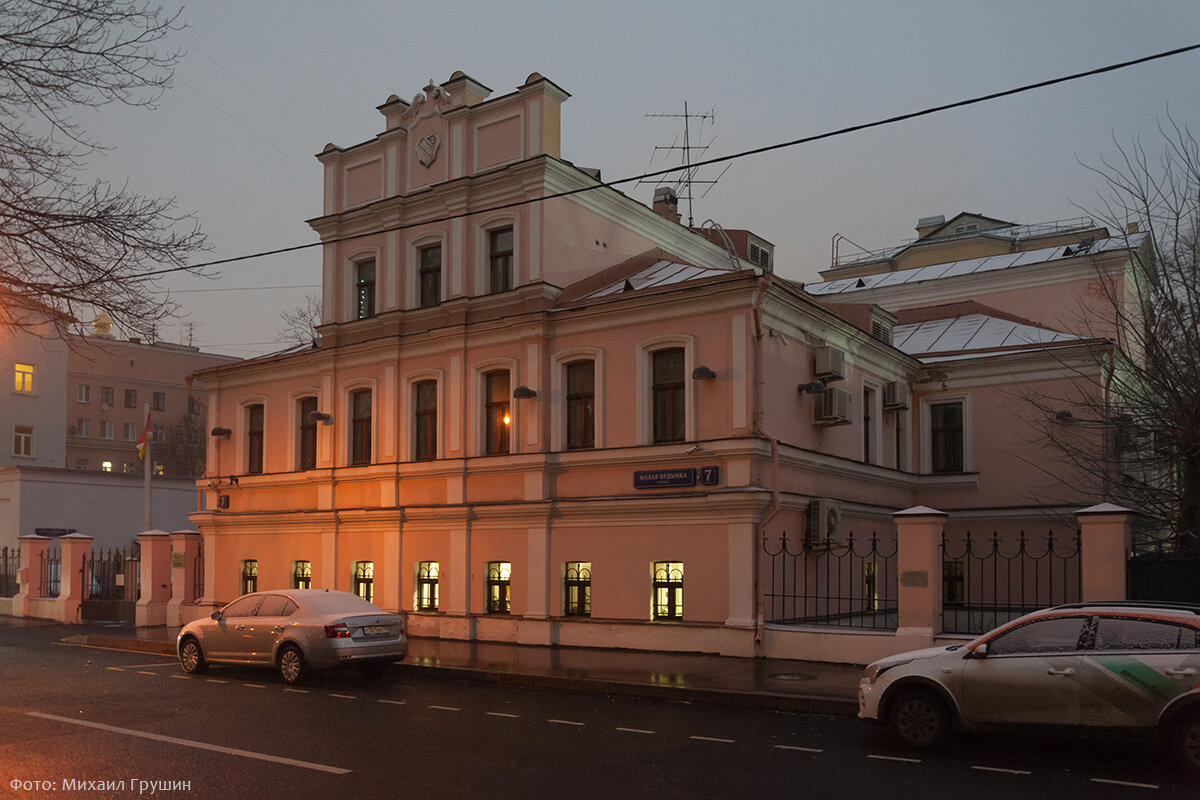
540 411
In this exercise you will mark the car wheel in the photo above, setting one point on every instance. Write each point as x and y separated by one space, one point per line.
1185 742
918 718
191 657
291 664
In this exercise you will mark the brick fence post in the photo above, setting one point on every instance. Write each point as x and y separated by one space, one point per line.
156 578
919 570
1105 539
75 548
185 546
29 572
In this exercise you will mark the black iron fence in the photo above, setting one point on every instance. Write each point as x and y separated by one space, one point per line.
987 582
845 584
112 575
1165 575
10 562
51 569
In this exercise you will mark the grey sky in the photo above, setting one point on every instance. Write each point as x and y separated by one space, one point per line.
264 86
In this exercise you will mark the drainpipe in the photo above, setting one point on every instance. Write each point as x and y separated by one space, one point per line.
333 472
760 292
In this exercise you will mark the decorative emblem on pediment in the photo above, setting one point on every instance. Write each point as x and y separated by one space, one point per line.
433 95
427 149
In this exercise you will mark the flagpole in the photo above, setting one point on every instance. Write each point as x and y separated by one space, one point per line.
146 471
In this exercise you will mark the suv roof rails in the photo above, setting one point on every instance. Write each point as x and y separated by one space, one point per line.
1192 607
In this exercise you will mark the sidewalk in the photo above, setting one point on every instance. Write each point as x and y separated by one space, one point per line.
803 686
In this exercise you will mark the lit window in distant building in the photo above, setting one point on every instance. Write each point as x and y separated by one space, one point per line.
946 437
577 589
430 275
496 412
425 420
83 393
254 439
496 590
427 586
306 433
581 405
158 469
360 427
23 378
22 440
302 575
160 401
127 466
249 576
131 398
668 395
364 579
668 590
106 466
364 289
500 260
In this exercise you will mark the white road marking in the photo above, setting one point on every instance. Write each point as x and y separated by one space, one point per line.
801 749
502 714
712 739
564 722
897 758
144 672
296 691
191 743
215 680
181 677
446 708
1005 771
634 730
394 702
116 669
1126 783
255 685
344 696
170 663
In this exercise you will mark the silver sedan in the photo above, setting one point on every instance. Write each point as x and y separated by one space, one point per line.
294 631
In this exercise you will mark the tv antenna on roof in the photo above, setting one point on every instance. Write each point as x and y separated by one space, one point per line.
689 154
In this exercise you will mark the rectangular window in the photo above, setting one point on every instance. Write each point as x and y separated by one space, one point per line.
496 416
302 575
23 378
106 429
669 400
83 428
249 577
159 434
499 574
160 401
430 275
581 405
668 590
306 433
870 435
83 393
364 289
360 427
364 580
130 432
193 406
131 398
946 437
22 440
425 420
254 439
106 466
577 589
427 586
106 396
500 260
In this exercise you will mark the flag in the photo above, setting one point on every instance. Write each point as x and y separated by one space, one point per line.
144 439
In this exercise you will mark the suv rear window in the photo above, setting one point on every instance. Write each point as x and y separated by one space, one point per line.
1118 633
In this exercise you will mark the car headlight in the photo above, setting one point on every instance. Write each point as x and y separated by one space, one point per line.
875 670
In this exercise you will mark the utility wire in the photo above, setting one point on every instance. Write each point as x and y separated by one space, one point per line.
720 159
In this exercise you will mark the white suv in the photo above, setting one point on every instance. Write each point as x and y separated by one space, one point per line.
1122 667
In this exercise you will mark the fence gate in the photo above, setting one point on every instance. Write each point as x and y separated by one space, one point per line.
111 585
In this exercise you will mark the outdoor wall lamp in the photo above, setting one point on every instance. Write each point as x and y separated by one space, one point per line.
221 433
319 416
524 393
814 387
703 373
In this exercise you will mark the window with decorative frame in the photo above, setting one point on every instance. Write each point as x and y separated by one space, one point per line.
496 416
500 260
946 437
497 588
306 433
668 590
581 404
364 289
668 395
577 589
302 575
426 598
360 427
364 580
254 439
425 420
249 576
429 275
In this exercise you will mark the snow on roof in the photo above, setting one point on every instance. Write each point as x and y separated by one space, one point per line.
972 332
660 273
969 266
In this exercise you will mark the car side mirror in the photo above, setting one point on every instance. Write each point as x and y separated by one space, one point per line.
980 651
215 615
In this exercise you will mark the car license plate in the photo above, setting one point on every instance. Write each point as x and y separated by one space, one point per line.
376 630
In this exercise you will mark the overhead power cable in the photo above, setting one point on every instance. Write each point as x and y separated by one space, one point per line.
718 160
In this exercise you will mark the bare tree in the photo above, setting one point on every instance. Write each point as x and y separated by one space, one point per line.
1131 424
302 321
68 245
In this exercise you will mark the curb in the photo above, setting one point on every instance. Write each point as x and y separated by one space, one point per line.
802 704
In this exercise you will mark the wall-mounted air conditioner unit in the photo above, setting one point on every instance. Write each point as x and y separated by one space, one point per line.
829 364
824 524
895 396
832 407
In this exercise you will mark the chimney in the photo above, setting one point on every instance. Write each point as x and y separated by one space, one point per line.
1132 227
666 203
927 225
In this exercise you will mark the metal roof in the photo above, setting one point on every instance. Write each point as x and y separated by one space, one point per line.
660 273
972 332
